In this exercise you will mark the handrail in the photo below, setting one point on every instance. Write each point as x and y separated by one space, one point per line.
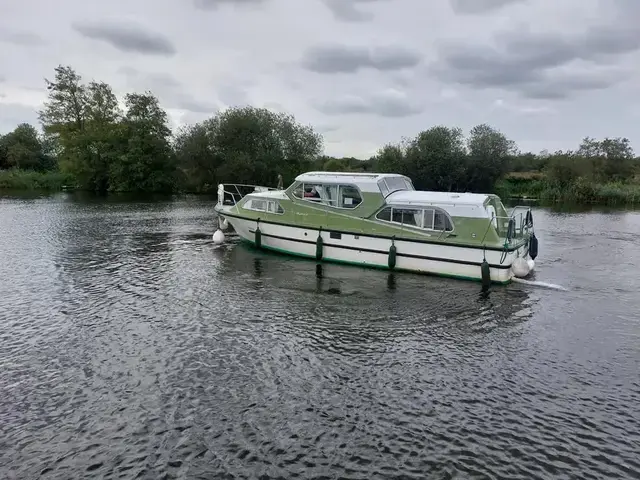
238 195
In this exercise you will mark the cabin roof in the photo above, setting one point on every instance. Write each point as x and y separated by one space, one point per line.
418 197
270 194
350 177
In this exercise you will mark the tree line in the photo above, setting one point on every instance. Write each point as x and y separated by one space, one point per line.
91 141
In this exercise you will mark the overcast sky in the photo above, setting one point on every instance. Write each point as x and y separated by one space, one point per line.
362 72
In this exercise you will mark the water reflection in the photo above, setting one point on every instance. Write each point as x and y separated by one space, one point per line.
378 296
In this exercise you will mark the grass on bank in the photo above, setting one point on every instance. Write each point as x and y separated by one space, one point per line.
32 180
524 185
533 185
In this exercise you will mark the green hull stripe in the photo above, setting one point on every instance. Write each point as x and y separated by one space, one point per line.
366 265
511 248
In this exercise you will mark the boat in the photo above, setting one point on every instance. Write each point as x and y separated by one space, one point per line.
380 220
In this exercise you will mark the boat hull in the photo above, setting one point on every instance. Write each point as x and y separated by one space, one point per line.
372 251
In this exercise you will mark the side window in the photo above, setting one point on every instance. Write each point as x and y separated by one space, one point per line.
312 192
342 196
350 196
407 216
442 222
383 187
428 219
329 195
260 205
384 214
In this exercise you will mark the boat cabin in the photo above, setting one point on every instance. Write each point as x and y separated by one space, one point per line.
396 198
345 189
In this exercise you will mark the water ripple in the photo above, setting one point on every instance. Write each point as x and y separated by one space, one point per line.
131 347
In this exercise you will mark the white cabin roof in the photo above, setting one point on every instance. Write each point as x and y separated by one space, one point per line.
273 194
409 197
367 182
456 204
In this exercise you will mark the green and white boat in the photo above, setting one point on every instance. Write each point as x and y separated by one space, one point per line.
380 220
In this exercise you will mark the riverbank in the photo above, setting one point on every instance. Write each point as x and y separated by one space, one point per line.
533 186
527 186
29 180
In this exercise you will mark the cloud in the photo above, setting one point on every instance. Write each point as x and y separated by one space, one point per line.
532 63
475 7
25 39
350 59
12 114
169 90
362 72
214 4
391 103
126 37
349 11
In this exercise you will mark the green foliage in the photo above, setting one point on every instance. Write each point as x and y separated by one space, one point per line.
91 143
32 180
440 158
104 148
245 145
25 148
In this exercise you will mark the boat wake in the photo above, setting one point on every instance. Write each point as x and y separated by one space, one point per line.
540 284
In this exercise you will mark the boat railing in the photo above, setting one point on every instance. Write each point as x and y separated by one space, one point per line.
232 193
520 223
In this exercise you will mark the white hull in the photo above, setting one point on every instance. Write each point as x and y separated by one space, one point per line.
437 259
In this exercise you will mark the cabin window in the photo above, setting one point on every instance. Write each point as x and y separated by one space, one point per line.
264 205
384 214
427 218
333 195
407 216
389 185
349 196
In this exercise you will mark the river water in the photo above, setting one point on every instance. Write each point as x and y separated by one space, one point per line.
132 347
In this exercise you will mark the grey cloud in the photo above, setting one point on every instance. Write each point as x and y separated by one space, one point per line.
526 62
185 101
232 95
348 11
380 105
475 7
350 59
324 129
150 81
213 4
25 39
562 88
14 114
169 90
127 37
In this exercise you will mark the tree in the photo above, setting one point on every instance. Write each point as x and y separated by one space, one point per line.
436 159
23 148
65 109
196 158
391 159
147 163
489 152
611 158
248 145
98 144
